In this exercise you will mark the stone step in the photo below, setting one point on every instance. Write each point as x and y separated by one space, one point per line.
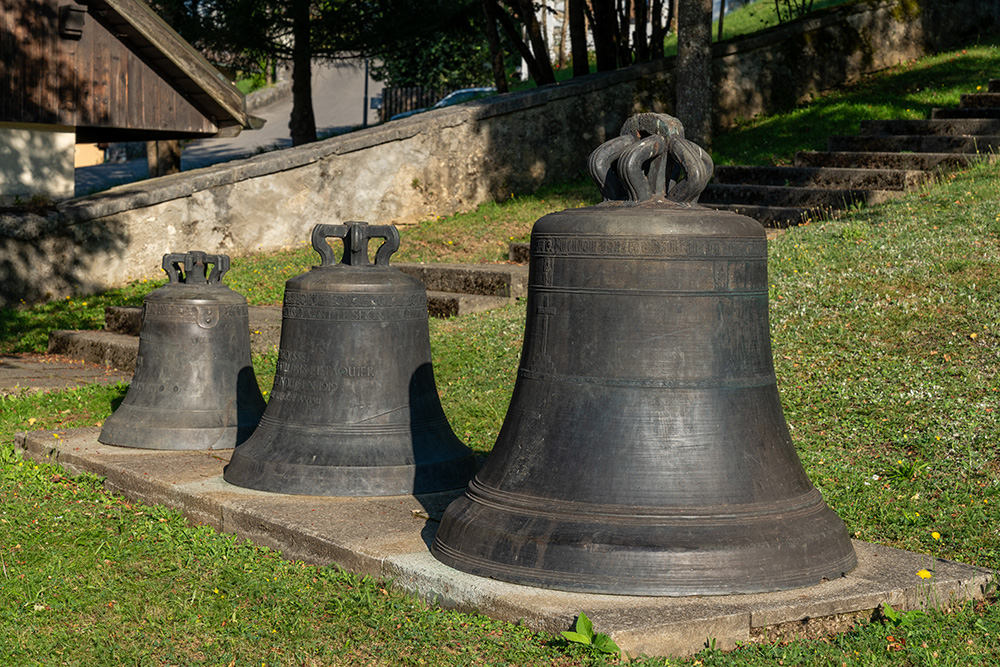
519 252
933 127
502 280
115 350
994 86
916 144
982 112
822 177
453 304
790 196
887 160
776 217
123 319
979 100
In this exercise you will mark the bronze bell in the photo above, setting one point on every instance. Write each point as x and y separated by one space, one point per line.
645 451
193 385
354 410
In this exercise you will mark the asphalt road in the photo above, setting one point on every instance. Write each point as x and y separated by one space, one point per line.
338 104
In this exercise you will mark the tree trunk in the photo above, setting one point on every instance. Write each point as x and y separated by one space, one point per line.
163 157
639 37
722 18
514 36
622 35
538 45
496 52
563 33
302 123
578 37
604 34
694 70
657 31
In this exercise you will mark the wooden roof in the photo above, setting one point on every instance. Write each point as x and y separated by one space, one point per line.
114 70
175 59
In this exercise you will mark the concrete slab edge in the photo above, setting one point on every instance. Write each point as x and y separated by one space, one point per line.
654 626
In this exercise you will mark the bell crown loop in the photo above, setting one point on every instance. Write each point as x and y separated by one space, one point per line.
191 268
355 236
645 162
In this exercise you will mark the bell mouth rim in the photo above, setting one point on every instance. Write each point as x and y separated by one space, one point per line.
662 581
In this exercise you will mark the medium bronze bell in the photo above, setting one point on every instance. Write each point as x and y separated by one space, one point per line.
354 410
193 385
645 451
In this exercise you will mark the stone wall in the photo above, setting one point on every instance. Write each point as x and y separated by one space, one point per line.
36 161
448 160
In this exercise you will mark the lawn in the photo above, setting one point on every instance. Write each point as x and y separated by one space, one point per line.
884 327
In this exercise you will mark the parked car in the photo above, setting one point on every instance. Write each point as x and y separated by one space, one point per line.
455 97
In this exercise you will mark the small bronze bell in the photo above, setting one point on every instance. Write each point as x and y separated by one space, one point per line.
645 451
193 385
354 410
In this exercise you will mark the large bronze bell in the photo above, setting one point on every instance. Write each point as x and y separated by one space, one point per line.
193 386
354 410
645 451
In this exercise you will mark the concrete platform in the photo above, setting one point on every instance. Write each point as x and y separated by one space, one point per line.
388 537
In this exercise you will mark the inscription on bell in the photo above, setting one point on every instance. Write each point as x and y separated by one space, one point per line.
647 247
285 383
353 314
357 371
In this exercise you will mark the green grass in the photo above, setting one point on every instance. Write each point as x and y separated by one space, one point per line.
887 356
910 90
884 328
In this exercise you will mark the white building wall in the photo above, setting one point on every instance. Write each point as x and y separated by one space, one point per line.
36 160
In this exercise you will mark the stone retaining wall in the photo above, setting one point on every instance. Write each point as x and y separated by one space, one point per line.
444 161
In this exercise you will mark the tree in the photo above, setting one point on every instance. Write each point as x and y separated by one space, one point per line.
445 45
511 16
694 70
577 18
253 34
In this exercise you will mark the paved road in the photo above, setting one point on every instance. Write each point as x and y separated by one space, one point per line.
338 103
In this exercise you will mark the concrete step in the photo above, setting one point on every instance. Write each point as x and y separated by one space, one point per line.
519 252
123 319
887 160
503 280
777 217
994 86
453 304
822 177
790 196
916 144
114 350
933 127
979 100
982 112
